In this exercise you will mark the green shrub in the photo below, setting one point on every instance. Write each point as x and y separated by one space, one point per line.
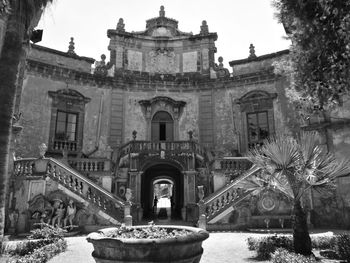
252 243
28 246
47 232
323 242
342 247
43 254
265 246
284 256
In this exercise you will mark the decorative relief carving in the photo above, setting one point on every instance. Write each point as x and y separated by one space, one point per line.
119 57
190 61
134 60
205 58
165 62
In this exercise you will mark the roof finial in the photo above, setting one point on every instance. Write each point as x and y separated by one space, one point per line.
121 25
204 28
252 51
71 47
162 12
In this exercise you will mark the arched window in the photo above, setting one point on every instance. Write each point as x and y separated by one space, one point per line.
162 127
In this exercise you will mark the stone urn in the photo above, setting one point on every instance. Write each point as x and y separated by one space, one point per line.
185 247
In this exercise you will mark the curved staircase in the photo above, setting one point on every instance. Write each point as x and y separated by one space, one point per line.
75 185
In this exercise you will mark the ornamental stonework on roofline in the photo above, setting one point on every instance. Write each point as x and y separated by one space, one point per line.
162 48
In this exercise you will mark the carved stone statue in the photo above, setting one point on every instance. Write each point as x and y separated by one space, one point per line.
200 192
58 215
70 214
128 195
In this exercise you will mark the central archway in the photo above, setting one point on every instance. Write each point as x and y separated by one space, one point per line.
162 173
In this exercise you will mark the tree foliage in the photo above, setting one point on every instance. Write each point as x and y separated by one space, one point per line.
320 53
293 166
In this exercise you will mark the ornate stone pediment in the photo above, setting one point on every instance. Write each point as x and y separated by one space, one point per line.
162 103
69 95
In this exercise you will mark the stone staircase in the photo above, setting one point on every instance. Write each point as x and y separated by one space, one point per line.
220 203
75 185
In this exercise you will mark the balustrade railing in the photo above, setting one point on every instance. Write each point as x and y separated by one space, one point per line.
232 164
154 147
91 165
72 180
59 145
231 194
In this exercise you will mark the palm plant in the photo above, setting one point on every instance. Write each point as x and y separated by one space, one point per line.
21 16
293 166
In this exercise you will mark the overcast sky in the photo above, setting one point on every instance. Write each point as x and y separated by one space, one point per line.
237 23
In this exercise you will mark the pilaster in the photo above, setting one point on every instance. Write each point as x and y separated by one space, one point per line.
135 185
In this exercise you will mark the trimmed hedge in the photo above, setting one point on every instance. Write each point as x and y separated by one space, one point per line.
48 243
284 256
41 255
266 246
342 247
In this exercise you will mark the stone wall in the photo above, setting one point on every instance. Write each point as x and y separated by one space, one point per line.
36 115
134 118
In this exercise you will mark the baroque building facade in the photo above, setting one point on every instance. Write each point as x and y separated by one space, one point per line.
160 112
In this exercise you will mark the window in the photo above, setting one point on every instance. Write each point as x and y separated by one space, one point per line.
257 118
66 126
258 128
67 122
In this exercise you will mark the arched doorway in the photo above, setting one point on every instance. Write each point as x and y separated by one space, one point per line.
162 127
161 174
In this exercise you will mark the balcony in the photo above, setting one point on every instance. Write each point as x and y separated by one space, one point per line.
136 153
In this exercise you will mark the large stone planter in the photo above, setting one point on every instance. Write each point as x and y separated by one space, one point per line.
184 249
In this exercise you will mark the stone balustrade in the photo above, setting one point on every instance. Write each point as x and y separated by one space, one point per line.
230 195
232 164
184 151
73 181
91 165
59 145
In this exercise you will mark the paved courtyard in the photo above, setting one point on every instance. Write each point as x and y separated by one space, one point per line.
219 248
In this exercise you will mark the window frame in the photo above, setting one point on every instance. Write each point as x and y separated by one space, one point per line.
67 113
259 140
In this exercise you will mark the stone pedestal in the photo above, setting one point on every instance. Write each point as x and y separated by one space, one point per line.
135 185
127 215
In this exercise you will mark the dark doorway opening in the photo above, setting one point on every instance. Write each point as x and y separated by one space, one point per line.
162 127
161 174
162 131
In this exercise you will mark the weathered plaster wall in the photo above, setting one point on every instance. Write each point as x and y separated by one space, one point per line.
36 115
135 119
228 121
3 24
58 58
